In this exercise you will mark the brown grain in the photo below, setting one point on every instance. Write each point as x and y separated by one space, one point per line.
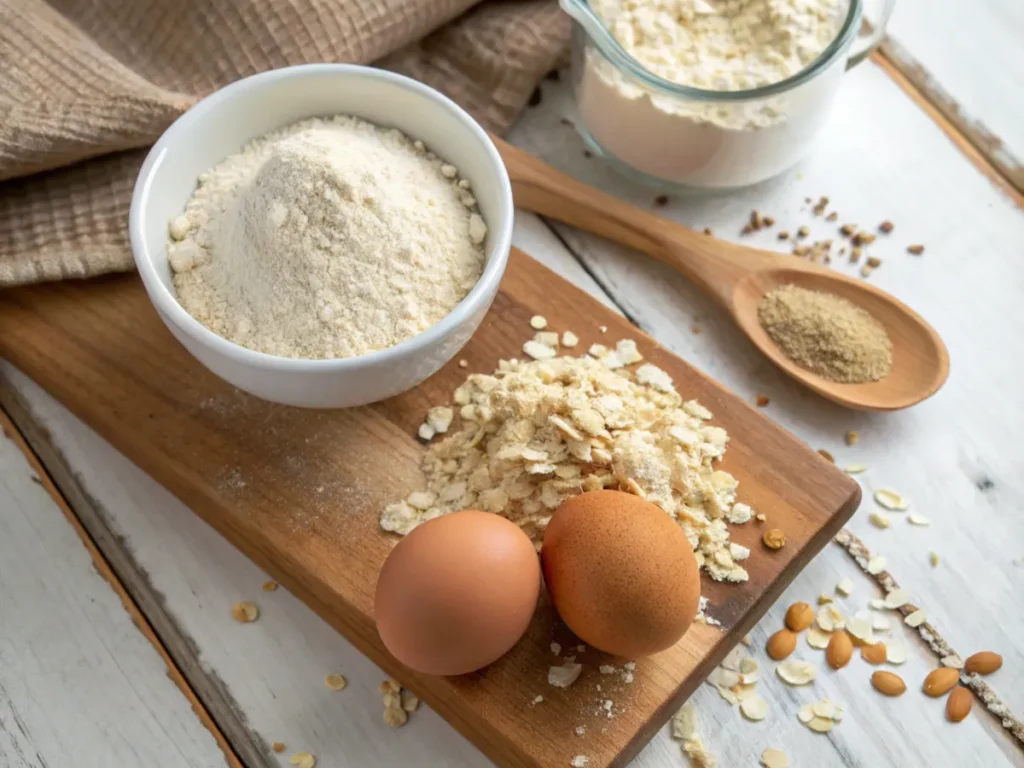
781 644
839 650
958 705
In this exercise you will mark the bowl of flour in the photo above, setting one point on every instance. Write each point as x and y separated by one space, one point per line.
325 235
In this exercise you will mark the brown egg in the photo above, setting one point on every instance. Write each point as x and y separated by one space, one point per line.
457 593
621 573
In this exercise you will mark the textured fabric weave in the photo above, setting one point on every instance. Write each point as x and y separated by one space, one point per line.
87 85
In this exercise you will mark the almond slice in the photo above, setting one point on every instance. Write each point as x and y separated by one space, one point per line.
774 758
820 724
896 599
917 618
845 587
817 638
796 672
895 653
754 708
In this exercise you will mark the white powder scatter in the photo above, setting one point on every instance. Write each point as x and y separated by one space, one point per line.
580 761
330 238
565 675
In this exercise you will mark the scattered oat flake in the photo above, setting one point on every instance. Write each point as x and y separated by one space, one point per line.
879 519
818 638
825 454
854 469
537 699
335 682
277 746
245 612
891 500
852 437
820 724
896 599
933 558
796 672
538 322
762 401
269 586
876 565
845 587
302 760
754 708
556 648
917 618
824 599
684 723
570 339
538 351
565 675
921 520
774 758
917 250
860 628
895 653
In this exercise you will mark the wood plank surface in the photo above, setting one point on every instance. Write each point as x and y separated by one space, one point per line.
270 479
968 60
105 699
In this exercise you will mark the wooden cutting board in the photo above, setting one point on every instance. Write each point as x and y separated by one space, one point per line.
300 491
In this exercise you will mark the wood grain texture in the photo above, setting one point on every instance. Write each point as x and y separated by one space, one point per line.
967 60
109 697
299 491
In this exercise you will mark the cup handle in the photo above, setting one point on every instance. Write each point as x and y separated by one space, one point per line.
864 45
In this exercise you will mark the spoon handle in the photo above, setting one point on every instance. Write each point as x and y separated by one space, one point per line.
713 265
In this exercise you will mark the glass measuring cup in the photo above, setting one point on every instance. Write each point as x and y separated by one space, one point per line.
677 137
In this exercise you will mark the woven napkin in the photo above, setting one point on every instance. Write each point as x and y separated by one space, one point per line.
87 85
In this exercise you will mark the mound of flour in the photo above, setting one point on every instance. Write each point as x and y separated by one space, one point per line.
330 238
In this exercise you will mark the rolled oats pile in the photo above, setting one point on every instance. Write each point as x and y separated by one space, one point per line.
537 432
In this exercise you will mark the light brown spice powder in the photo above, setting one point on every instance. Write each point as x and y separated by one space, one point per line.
826 334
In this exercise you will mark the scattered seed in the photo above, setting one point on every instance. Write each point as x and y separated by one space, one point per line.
854 469
825 454
917 250
781 644
269 586
463 363
245 612
933 558
661 201
852 437
302 760
855 255
866 271
958 705
277 746
774 538
873 654
799 616
395 717
888 683
335 682
762 401
783 235
918 520
847 229
983 663
803 232
839 650
940 681
707 231
769 221
873 261
824 599
832 216
886 227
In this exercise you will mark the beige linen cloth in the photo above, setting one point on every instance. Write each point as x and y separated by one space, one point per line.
86 85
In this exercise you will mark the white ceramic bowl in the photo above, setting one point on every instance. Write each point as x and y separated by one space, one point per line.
220 125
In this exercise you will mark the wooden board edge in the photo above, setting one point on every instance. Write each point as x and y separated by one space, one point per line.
976 143
20 426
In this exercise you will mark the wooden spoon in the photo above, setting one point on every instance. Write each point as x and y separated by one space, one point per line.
737 277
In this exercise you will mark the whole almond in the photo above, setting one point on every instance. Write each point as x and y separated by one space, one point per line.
799 617
941 681
873 654
983 663
781 644
958 705
888 683
839 650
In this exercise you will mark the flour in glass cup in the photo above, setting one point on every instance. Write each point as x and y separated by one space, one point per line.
713 45
330 238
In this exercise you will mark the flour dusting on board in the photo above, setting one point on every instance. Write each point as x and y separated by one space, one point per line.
536 432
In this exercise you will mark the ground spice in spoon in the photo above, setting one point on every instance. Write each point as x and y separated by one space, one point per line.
826 334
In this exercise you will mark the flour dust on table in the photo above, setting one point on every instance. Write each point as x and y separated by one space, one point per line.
329 238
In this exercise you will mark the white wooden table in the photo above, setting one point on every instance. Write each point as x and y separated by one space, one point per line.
148 668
